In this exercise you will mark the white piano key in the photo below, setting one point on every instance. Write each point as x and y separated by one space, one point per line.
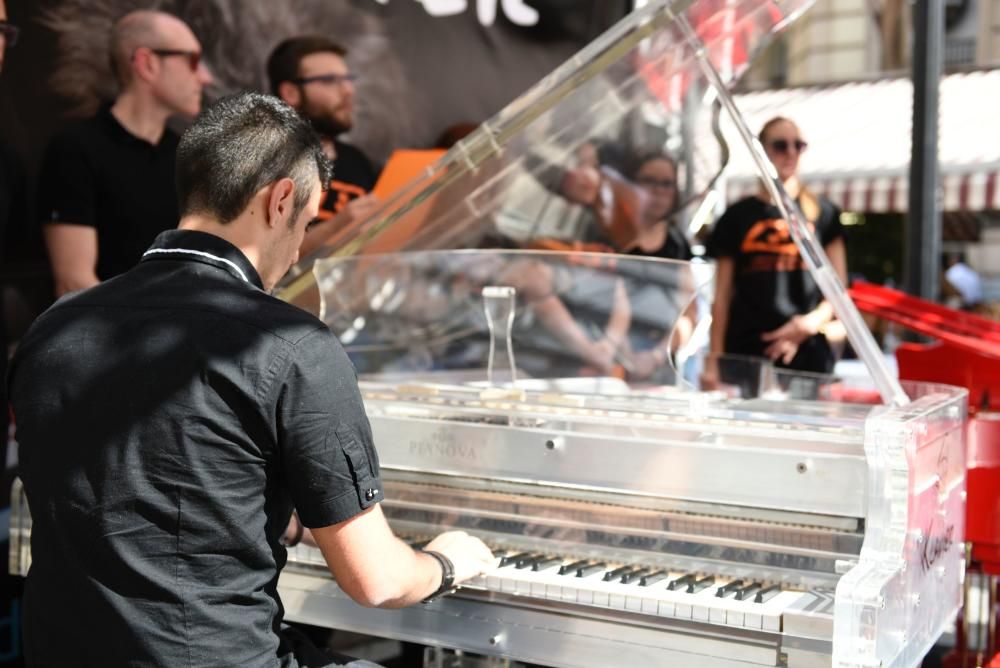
696 606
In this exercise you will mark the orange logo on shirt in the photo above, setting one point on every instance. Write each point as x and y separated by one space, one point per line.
771 247
341 193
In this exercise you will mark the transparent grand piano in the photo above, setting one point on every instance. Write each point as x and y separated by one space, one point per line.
548 400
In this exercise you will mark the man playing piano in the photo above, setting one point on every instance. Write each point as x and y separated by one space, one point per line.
169 420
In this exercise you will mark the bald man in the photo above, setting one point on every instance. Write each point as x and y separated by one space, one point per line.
107 183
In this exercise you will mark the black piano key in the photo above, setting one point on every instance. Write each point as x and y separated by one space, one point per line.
420 544
635 575
547 562
499 552
590 569
766 594
571 568
617 573
698 585
511 559
747 593
731 588
653 578
529 560
681 582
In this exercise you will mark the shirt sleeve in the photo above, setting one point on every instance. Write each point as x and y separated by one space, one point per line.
831 228
724 239
325 441
66 183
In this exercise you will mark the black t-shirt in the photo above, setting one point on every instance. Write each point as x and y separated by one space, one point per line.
771 282
353 176
675 246
98 174
12 188
168 420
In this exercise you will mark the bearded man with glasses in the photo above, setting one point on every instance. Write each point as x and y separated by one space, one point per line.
107 183
310 73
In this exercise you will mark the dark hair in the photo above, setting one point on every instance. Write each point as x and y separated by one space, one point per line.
240 144
642 157
283 63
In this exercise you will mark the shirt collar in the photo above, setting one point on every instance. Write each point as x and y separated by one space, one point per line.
122 134
194 246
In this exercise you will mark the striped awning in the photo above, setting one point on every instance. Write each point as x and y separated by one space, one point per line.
859 141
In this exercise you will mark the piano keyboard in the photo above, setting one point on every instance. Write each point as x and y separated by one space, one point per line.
665 593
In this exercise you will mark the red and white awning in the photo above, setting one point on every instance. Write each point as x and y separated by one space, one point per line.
859 141
975 191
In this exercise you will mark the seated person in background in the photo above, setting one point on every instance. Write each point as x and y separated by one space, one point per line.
192 412
655 174
631 211
631 215
310 73
107 184
962 286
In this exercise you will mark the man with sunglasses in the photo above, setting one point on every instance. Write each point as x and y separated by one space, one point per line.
310 73
107 183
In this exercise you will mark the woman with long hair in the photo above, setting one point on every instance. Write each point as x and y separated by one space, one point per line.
766 302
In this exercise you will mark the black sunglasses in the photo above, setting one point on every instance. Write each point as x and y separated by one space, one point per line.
782 145
194 57
329 79
9 32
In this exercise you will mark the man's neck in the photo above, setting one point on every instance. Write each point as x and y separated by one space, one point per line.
792 186
142 116
329 148
236 232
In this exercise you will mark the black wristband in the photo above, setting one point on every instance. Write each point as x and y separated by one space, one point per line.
447 575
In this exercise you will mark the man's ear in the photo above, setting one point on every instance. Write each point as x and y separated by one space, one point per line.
290 93
144 64
281 202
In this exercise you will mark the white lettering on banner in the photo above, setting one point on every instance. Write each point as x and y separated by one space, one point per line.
486 10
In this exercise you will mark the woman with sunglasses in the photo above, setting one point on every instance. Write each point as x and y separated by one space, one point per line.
766 303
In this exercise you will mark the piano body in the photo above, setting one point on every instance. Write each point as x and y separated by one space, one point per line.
546 401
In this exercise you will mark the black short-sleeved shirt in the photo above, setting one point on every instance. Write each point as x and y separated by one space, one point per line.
771 282
168 419
353 176
96 173
675 246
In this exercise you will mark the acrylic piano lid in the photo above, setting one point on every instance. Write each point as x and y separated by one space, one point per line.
599 155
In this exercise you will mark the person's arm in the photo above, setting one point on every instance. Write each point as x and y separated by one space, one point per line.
73 256
67 208
784 342
377 569
725 268
331 469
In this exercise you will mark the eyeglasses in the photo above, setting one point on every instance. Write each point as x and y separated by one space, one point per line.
9 32
194 57
783 145
326 79
650 182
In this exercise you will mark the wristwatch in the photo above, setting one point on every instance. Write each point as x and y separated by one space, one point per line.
447 575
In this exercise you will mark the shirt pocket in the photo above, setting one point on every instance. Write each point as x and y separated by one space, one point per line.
364 466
